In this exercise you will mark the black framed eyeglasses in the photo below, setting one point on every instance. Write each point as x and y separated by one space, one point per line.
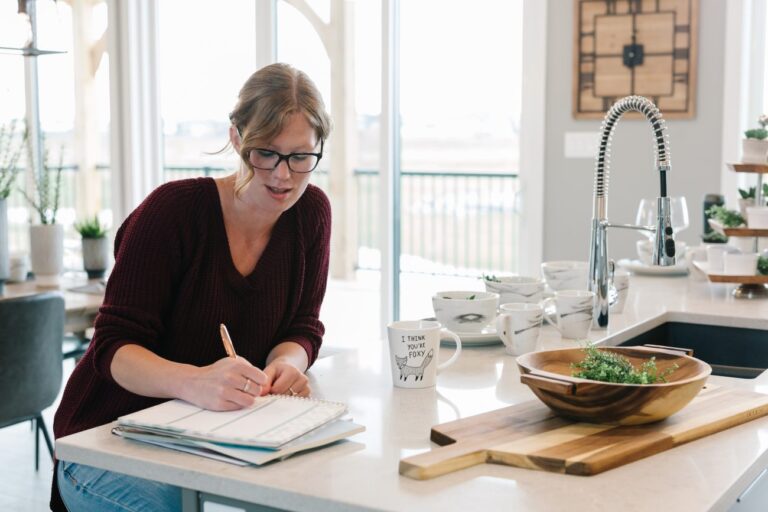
268 160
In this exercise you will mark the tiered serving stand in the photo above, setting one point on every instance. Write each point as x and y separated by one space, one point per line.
749 286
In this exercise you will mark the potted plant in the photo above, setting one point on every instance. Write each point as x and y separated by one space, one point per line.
747 198
12 142
754 145
95 246
713 237
46 239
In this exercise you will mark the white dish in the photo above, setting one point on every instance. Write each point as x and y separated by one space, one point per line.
487 336
637 267
704 267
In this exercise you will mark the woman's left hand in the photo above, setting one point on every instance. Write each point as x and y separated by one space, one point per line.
285 379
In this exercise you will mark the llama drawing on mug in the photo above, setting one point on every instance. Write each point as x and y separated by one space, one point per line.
417 371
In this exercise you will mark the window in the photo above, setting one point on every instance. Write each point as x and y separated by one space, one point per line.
200 78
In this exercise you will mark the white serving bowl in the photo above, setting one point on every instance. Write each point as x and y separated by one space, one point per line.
566 275
465 311
516 289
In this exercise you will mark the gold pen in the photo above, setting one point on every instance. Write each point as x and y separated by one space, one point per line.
227 341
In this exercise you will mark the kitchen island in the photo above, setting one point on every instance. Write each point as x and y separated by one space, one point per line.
362 473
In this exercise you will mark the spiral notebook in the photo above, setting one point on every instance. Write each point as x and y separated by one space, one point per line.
271 422
332 432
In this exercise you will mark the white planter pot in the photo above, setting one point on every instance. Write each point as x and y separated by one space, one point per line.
744 244
47 253
754 151
95 256
4 261
744 204
757 217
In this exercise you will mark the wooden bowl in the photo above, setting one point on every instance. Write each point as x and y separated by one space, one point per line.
548 373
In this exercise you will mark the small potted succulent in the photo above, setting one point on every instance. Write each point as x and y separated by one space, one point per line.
755 144
95 246
747 198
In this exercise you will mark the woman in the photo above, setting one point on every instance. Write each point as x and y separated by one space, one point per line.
249 250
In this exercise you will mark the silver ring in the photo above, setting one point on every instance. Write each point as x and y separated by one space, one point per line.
293 393
247 385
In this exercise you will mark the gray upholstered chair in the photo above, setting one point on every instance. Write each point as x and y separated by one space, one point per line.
31 330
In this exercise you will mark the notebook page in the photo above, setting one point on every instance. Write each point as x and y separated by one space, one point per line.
288 415
272 421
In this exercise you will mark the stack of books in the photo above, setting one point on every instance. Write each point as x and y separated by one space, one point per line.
275 427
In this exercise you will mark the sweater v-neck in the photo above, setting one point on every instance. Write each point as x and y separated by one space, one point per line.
253 280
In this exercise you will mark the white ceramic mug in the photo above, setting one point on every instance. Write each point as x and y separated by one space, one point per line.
517 289
465 311
519 326
413 349
573 312
621 290
715 256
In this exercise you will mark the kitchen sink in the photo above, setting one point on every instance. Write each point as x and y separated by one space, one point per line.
730 351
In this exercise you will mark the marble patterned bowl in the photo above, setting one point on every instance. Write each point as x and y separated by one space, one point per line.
465 311
549 375
516 289
566 275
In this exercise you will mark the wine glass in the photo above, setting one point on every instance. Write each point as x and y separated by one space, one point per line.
646 214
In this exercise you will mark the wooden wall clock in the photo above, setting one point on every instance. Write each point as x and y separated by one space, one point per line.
644 47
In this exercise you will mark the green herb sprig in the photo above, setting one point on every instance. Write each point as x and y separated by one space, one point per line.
605 366
491 278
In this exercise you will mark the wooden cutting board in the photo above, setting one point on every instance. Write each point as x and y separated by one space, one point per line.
529 435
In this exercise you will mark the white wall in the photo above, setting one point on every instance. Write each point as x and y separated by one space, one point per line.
695 147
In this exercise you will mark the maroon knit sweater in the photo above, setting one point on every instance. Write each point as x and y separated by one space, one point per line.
174 282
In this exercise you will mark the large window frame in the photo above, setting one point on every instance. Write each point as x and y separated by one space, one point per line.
744 93
532 155
137 157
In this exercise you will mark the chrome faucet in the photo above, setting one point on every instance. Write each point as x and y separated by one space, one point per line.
600 269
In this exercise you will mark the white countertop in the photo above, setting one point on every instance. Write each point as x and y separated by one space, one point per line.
362 474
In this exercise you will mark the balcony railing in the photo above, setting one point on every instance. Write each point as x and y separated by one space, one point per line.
451 223
456 223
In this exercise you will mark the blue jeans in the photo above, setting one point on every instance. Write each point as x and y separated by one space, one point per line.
85 488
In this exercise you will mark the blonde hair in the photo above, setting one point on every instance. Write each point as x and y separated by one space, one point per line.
265 103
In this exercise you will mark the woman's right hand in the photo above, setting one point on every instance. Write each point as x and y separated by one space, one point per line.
226 385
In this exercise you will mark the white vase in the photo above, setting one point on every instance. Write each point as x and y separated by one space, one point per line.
4 258
754 151
95 256
47 253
